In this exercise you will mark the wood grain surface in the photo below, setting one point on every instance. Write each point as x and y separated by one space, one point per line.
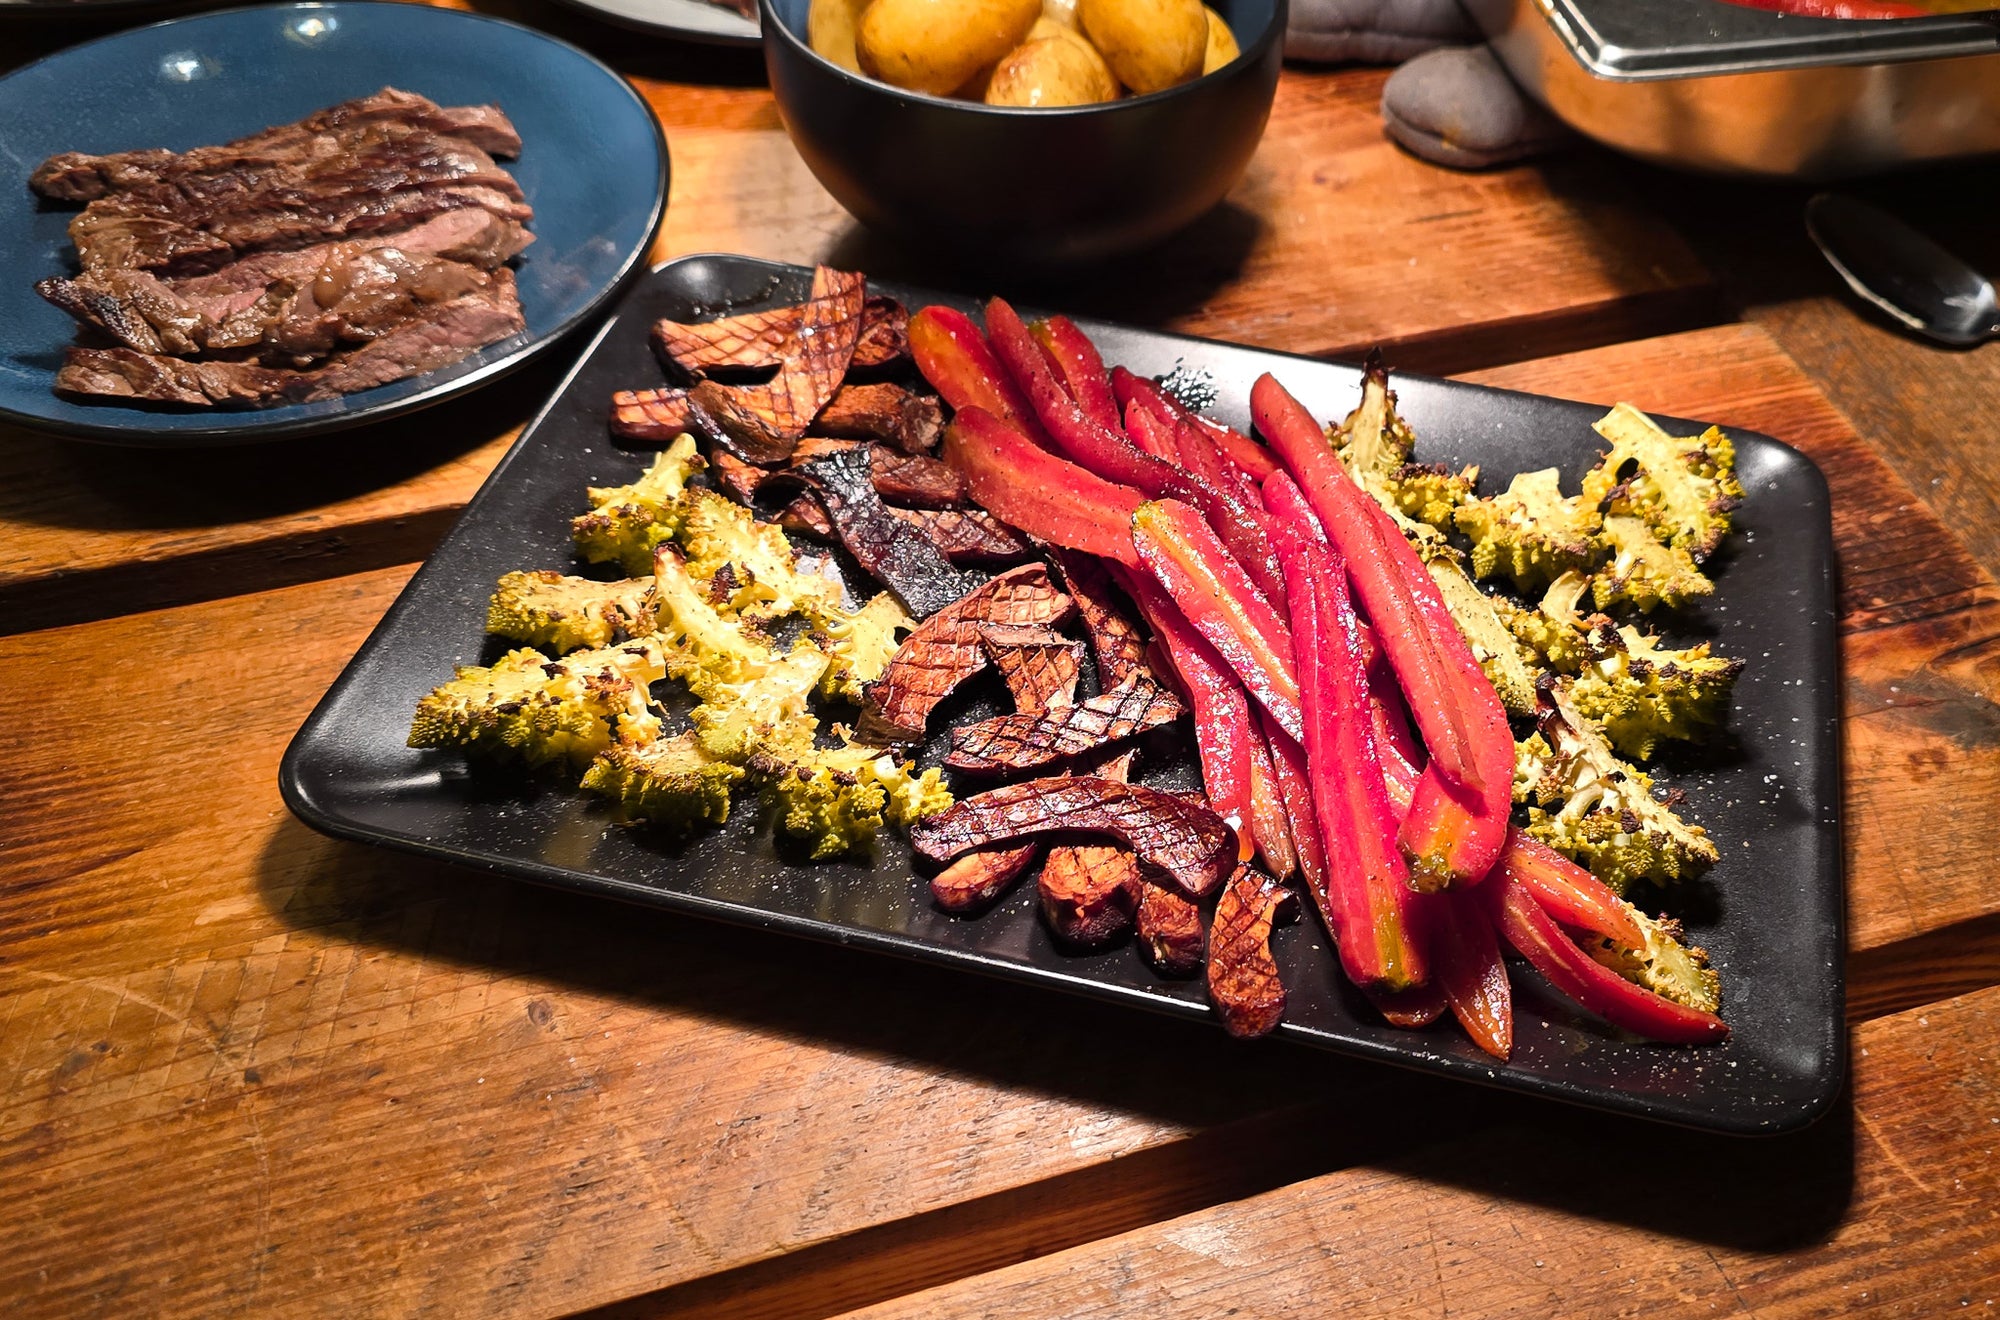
1890 1208
1453 270
401 1087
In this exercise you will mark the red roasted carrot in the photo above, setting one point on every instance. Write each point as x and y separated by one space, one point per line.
1030 488
1458 821
1149 433
1268 818
1082 369
1467 958
1288 766
1567 892
1217 597
955 358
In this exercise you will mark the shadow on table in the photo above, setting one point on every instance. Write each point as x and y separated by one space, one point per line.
1268 1114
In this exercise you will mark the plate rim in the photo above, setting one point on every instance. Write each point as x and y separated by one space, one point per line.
1827 1085
700 36
132 433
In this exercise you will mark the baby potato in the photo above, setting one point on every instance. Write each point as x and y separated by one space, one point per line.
830 28
1150 44
938 46
1222 47
1060 11
1052 71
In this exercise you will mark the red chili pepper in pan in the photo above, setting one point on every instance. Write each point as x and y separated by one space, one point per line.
1222 729
1458 822
1115 458
1544 943
1357 824
1082 370
955 358
1028 487
1212 590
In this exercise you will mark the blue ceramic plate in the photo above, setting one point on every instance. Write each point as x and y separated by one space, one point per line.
593 164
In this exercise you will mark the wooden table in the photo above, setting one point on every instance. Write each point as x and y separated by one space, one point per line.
248 1069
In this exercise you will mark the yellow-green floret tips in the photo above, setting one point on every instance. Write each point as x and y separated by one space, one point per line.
1530 532
1642 572
559 613
831 801
1683 488
544 710
626 522
669 782
751 562
1640 692
1665 964
1596 809
860 643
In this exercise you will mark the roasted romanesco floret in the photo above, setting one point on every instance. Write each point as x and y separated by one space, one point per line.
1374 443
1641 692
1683 488
860 643
561 613
1605 817
1482 619
626 522
1643 572
1666 965
1530 532
702 645
670 782
543 710
1559 633
1430 492
833 800
766 713
752 563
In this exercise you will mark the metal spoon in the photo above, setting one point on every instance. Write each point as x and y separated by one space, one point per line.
1905 274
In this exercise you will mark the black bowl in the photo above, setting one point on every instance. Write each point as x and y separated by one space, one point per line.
993 185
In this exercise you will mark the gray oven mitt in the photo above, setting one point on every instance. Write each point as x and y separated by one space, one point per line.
1451 102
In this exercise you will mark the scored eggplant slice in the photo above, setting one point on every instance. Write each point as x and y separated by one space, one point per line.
1170 930
896 553
1039 665
657 416
1243 981
968 536
913 423
1030 741
947 648
1183 842
763 423
1088 892
976 880
760 341
1115 639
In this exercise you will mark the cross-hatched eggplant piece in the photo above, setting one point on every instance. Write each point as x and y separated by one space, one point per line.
975 881
946 649
1039 665
655 416
1088 891
1031 741
1170 931
1180 841
969 536
763 423
1115 640
759 341
913 423
897 554
1243 981
916 480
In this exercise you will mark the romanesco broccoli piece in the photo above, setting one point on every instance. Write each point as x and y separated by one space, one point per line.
1665 965
1642 572
764 713
1430 492
833 800
1373 441
544 710
1640 692
1506 663
1558 631
1682 487
1606 818
860 644
626 522
1529 531
751 560
665 781
563 613
701 645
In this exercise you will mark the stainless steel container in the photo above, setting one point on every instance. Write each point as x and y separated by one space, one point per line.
1724 88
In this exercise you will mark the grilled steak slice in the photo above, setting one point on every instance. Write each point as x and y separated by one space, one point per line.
763 423
1169 929
946 649
975 880
760 341
1032 741
883 411
1039 666
900 555
1114 638
76 176
1181 842
662 416
1243 979
1089 891
969 536
438 334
